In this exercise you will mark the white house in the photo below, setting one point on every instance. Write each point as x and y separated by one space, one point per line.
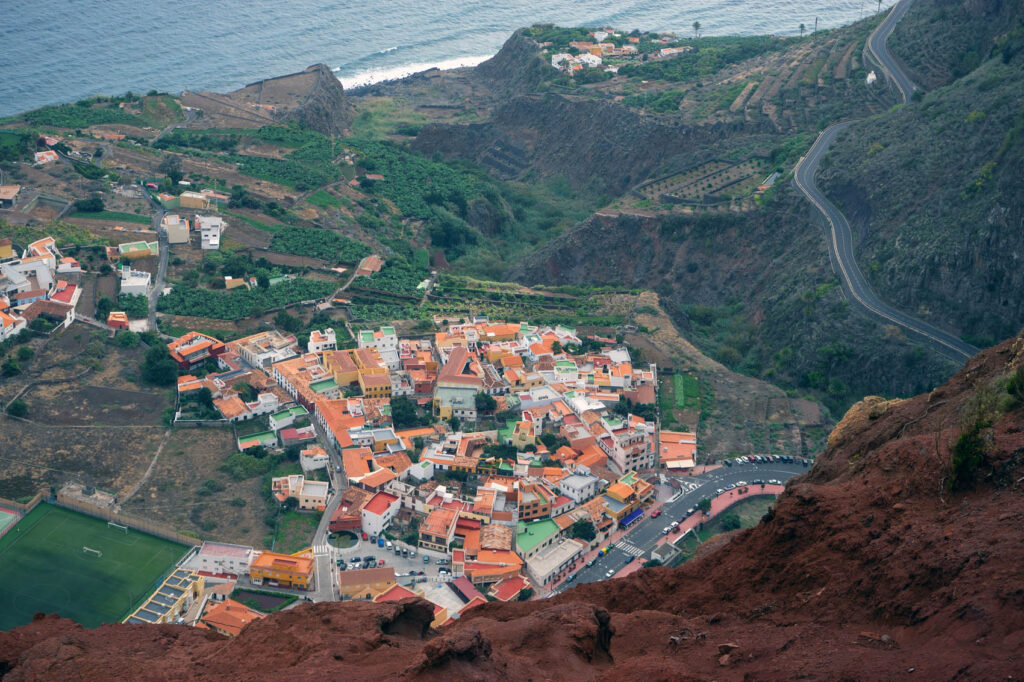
10 325
210 228
378 512
219 558
578 487
321 340
134 282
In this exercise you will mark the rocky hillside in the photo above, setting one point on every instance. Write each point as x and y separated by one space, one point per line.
897 554
933 189
753 290
598 146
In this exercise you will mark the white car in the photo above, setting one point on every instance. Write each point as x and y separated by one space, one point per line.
610 573
666 530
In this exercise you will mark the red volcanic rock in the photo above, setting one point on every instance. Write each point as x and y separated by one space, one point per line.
868 567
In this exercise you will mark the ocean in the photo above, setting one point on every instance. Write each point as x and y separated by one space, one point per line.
63 50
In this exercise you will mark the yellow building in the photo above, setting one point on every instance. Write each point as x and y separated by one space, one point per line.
171 600
193 200
6 248
365 583
375 384
287 570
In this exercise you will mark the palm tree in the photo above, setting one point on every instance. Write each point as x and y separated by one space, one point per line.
696 29
802 29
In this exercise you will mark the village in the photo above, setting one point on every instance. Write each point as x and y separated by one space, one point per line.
487 460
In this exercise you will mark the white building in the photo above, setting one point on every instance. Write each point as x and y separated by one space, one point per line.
220 558
134 282
321 340
210 229
578 487
313 458
378 512
176 228
385 340
10 325
421 471
552 563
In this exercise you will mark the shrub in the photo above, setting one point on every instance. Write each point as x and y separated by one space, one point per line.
17 408
968 454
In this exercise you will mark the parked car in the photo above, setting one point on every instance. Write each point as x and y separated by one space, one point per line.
727 462
369 557
675 525
571 578
666 530
355 559
380 542
610 573
591 563
426 559
389 545
380 563
365 536
342 566
690 511
656 513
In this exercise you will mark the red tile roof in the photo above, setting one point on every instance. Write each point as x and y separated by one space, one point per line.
379 503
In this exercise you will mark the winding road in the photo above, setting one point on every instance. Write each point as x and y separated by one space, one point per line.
840 237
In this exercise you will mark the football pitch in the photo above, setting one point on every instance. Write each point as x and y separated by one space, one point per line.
43 567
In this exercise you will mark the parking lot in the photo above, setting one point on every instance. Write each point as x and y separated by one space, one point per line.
404 565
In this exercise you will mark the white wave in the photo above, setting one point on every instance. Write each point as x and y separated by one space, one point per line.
387 73
388 49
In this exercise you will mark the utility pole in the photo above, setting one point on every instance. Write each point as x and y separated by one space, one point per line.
815 25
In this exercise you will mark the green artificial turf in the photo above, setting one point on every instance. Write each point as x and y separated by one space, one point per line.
44 569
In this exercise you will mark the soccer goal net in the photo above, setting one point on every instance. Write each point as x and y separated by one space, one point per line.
117 526
89 551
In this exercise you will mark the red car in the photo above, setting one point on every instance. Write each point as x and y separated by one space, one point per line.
364 536
656 513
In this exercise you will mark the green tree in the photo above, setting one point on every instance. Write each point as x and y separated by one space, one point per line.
455 423
651 563
696 29
171 167
556 347
93 204
17 408
10 367
103 308
730 521
404 413
25 353
583 530
485 403
289 323
704 505
968 454
128 339
804 28
290 503
158 367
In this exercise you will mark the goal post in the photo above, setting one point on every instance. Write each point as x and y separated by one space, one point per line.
91 551
118 526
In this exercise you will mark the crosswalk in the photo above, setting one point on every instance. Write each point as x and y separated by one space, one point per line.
690 486
629 548
323 549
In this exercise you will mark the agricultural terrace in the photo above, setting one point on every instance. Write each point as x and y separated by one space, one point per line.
43 568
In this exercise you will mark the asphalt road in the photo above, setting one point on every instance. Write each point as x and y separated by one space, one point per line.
644 535
840 238
877 46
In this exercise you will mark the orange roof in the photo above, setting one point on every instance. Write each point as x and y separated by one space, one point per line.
592 456
439 522
395 593
500 557
409 434
509 588
272 561
379 503
230 617
356 461
620 490
366 576
230 407
378 478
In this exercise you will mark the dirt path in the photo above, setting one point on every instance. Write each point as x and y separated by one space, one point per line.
149 470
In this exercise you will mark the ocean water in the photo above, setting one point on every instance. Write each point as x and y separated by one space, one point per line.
55 51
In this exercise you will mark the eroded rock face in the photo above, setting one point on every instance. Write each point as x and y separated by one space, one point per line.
867 567
324 108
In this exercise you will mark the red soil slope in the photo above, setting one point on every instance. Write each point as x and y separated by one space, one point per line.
869 568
